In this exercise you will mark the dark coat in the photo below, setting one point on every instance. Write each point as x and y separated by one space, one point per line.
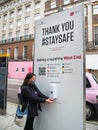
32 96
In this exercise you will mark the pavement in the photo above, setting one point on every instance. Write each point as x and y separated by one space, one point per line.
7 121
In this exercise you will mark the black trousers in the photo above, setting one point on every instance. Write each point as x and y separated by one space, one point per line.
29 123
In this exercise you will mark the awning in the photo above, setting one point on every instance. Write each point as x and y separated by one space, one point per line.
92 62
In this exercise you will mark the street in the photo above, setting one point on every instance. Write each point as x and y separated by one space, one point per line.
12 93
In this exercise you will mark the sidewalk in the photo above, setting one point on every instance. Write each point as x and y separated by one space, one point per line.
7 121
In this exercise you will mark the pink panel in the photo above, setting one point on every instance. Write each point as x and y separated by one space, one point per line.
18 70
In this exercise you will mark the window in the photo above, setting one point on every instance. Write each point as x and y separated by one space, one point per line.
19 22
88 85
66 2
3 36
28 8
12 14
11 25
4 26
5 17
9 51
37 5
94 77
37 16
1 51
95 9
19 12
25 50
27 20
16 53
18 33
53 4
96 35
10 35
26 31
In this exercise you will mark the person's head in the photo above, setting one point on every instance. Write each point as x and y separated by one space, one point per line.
30 78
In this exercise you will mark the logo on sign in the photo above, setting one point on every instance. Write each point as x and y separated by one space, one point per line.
71 13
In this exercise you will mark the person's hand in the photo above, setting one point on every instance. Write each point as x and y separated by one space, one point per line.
49 101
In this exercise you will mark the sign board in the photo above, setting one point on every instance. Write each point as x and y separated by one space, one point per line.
3 82
59 62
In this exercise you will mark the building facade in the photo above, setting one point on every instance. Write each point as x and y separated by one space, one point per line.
91 19
17 24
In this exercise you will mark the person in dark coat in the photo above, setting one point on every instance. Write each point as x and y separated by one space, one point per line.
31 98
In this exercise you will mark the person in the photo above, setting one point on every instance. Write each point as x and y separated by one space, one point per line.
31 98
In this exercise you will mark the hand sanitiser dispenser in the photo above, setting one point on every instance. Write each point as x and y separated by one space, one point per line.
53 91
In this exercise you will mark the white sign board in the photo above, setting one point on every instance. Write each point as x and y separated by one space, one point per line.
59 63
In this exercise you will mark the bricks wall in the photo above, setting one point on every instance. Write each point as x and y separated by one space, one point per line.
59 2
20 45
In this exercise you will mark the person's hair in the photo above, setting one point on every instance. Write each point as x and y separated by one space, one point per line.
27 77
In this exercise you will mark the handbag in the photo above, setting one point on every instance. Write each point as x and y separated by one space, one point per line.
20 117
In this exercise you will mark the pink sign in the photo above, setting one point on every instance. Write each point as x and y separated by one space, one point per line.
18 70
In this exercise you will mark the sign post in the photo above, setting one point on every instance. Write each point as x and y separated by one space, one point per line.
59 66
3 82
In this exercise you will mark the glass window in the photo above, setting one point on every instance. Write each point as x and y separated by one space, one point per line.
26 31
96 35
1 51
12 14
95 78
9 50
4 26
16 53
88 85
37 16
11 24
3 36
53 4
25 50
19 22
5 17
37 5
10 35
19 11
28 8
95 9
27 20
66 1
18 33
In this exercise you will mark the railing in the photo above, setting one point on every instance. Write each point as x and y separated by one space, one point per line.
17 39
